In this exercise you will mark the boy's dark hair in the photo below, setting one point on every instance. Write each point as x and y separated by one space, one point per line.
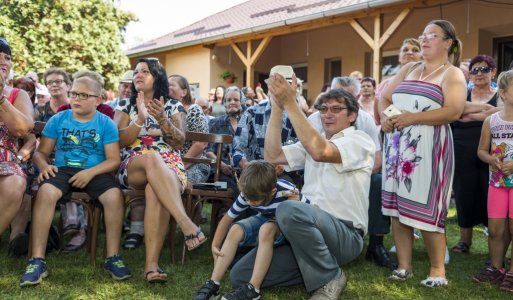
257 180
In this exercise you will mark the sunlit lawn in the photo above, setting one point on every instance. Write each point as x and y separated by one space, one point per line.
71 277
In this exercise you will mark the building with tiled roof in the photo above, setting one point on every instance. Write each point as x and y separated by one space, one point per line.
321 38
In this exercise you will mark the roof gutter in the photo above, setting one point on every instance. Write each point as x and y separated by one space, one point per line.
316 16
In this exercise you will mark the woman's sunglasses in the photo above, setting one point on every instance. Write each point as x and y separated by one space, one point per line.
483 70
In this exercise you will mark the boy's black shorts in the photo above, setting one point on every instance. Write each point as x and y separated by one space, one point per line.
97 186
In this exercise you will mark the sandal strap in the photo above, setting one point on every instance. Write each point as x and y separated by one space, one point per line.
158 270
434 281
193 236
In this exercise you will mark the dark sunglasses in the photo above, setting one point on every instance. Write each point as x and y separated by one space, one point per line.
483 70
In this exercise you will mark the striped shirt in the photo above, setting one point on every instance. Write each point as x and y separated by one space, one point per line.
283 192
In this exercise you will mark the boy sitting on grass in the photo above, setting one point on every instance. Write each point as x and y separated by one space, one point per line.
87 152
261 190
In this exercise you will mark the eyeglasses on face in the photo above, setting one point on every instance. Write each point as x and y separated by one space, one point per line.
81 96
483 70
427 36
52 82
333 109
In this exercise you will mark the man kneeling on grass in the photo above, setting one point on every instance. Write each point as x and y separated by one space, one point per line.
87 152
337 164
262 191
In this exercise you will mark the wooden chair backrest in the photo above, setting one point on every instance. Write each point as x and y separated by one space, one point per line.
218 139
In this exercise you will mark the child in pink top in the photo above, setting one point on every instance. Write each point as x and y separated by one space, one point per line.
496 149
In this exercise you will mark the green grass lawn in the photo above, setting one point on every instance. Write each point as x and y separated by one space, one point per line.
71 277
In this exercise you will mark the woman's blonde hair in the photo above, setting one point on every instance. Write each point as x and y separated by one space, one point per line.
504 81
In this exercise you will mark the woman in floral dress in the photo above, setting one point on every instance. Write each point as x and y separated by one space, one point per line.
151 130
418 162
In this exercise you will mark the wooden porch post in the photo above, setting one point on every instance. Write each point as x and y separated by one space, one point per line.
378 41
250 58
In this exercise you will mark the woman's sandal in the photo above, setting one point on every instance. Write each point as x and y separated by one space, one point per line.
461 247
195 236
157 277
434 282
400 275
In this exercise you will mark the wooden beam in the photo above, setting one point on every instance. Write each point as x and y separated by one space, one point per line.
376 49
239 53
249 65
362 32
260 49
395 24
250 59
255 57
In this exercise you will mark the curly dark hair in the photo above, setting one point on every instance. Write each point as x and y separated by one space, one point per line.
160 85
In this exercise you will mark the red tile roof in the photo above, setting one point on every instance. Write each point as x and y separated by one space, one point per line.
252 16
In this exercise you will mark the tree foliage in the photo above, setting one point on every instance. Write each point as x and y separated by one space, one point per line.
71 34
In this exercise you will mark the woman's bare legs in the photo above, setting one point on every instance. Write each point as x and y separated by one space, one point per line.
151 169
403 238
156 219
435 246
20 221
13 188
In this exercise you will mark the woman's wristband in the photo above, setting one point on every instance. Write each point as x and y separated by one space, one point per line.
2 99
135 123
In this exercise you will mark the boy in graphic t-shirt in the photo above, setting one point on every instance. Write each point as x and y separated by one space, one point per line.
87 152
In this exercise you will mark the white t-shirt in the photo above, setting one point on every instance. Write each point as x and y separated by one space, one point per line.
342 190
364 122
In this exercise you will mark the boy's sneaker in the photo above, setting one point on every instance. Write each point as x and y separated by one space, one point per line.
116 268
35 272
209 289
244 292
490 275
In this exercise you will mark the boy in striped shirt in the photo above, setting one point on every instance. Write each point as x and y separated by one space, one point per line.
262 191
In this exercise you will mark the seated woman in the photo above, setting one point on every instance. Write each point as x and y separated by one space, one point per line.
16 121
151 130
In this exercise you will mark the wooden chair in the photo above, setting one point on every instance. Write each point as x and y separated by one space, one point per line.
194 196
94 212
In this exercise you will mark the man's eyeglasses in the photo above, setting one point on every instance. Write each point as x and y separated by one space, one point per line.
333 109
52 82
483 70
427 36
81 96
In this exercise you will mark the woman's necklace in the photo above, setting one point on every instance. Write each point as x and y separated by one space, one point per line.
422 72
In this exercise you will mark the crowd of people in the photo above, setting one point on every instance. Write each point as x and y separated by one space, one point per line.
363 159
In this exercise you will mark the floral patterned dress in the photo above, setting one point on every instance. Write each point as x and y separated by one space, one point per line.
418 163
9 146
150 140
